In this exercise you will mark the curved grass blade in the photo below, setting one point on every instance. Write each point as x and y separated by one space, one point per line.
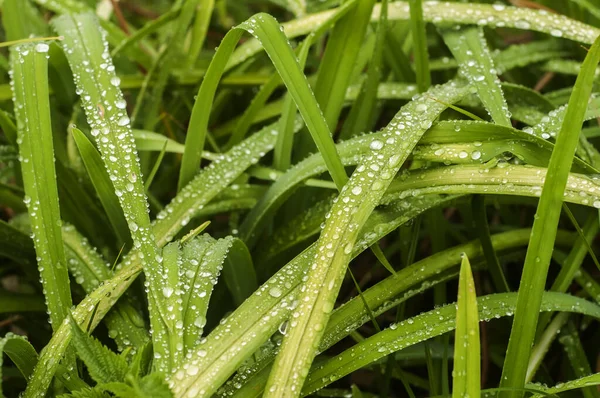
21 352
448 13
428 325
356 202
539 251
266 29
387 294
104 188
238 272
466 372
587 381
32 110
469 47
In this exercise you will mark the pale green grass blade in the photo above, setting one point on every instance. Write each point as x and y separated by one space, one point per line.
104 188
93 72
428 325
539 252
32 110
467 369
419 37
588 381
266 29
151 141
212 180
449 13
340 233
204 11
414 278
469 47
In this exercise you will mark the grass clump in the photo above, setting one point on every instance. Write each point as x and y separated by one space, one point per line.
189 190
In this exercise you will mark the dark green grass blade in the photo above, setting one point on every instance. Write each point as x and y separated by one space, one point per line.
104 188
543 232
419 36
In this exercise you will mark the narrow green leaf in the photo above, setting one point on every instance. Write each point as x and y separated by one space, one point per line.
32 110
466 372
539 252
204 11
426 326
21 353
266 29
104 187
238 271
419 36
469 47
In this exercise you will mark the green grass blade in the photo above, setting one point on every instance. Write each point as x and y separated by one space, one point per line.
266 29
469 47
466 372
542 235
357 200
337 65
571 343
32 109
361 115
204 11
20 351
104 188
238 272
87 51
428 325
419 36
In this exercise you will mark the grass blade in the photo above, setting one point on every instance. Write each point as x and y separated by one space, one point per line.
104 188
542 235
419 36
466 372
469 47
32 110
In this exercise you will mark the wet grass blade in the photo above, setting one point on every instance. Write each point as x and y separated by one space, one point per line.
32 110
544 226
419 36
426 326
356 202
104 188
266 29
469 47
466 371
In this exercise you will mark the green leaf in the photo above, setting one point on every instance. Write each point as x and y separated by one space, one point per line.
21 352
466 372
419 36
469 47
266 29
426 326
103 365
539 251
104 187
32 110
238 271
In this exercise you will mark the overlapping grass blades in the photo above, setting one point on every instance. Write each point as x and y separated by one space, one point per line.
539 251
